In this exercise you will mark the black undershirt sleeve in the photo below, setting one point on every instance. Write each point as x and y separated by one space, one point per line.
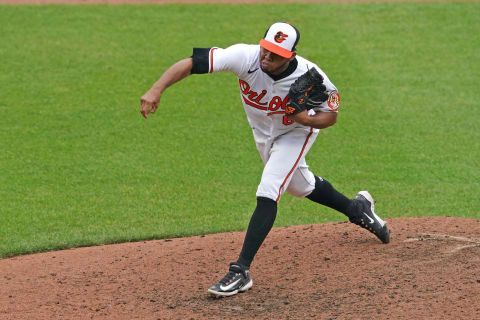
200 60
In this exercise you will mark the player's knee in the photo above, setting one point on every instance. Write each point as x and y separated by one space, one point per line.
298 192
302 184
267 195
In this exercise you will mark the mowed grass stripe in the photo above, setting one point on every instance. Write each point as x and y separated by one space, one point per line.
80 166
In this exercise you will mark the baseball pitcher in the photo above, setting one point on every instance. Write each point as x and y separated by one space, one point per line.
287 100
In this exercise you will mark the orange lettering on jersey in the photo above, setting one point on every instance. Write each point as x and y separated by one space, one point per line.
275 106
260 96
253 104
285 101
244 86
255 97
287 121
275 103
251 97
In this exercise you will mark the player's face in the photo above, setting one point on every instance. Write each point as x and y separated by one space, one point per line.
273 63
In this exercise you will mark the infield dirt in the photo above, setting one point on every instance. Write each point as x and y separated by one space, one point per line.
430 270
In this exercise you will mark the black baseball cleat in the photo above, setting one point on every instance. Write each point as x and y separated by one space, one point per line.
235 281
366 218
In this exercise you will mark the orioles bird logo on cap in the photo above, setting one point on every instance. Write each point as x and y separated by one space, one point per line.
280 37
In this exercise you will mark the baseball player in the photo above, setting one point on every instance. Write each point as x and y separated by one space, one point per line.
269 75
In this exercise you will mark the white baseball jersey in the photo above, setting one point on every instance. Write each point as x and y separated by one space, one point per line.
281 142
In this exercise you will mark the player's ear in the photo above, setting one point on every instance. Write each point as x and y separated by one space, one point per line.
293 56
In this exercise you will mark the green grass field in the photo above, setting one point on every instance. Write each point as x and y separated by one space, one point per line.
80 166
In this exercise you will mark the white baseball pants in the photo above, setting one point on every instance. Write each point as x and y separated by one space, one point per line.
285 166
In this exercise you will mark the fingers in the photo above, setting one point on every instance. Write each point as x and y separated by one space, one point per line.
145 108
154 108
149 104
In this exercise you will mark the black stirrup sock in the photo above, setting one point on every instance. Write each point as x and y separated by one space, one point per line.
260 225
326 195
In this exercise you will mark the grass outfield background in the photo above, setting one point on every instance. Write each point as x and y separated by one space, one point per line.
80 166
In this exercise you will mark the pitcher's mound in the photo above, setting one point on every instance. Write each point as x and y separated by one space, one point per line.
430 270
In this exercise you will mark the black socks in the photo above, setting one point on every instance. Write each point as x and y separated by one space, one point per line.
266 211
260 225
326 195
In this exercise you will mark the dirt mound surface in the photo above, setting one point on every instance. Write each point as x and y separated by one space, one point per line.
430 270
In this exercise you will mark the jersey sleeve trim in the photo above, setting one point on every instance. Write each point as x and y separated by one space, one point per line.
211 59
200 58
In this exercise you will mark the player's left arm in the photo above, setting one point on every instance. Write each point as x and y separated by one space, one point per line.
313 90
320 120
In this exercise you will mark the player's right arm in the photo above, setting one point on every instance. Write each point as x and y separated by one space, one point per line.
151 99
203 60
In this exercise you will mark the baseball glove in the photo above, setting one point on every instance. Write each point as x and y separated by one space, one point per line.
307 92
